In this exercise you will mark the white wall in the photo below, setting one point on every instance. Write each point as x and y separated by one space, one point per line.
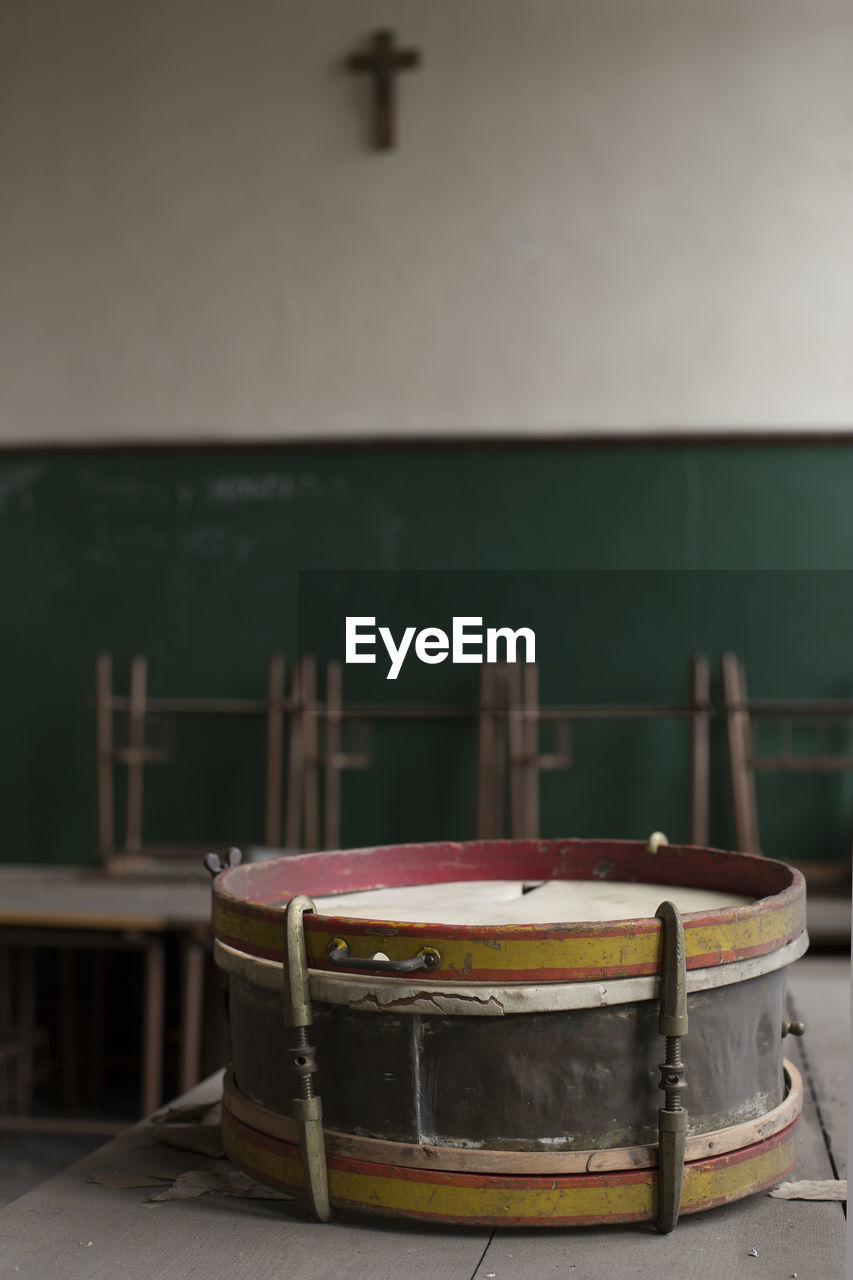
603 215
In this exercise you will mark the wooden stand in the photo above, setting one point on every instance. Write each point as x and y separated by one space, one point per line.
316 731
18 1033
745 762
145 738
510 760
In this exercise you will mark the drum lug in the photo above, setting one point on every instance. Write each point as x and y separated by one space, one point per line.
214 864
672 1024
307 1108
790 1027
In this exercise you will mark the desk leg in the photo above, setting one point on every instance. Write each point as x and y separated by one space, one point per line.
27 1028
152 1026
67 1030
191 1013
97 1022
5 1027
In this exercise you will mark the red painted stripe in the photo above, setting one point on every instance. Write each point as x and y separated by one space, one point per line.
271 883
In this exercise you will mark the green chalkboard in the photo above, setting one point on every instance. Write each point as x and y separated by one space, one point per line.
628 558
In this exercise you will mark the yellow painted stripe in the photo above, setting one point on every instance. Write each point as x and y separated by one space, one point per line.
535 1201
409 1196
581 951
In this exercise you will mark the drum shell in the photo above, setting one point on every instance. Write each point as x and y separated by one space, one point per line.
545 1080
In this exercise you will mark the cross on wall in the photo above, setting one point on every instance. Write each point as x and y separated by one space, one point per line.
383 61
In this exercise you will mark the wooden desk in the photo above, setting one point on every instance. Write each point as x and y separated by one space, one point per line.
45 1234
75 907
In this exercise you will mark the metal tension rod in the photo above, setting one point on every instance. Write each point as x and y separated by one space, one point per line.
307 1108
672 1023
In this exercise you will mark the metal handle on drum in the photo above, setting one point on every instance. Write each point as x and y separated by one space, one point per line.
338 953
307 1108
672 1023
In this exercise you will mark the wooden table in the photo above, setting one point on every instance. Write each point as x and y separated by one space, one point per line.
74 1229
74 907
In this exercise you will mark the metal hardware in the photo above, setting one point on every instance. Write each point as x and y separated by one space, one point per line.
672 1023
338 953
792 1028
307 1108
655 840
214 863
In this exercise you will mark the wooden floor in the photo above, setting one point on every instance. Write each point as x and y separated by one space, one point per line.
70 1228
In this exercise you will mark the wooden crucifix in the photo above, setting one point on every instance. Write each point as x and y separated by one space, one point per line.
383 60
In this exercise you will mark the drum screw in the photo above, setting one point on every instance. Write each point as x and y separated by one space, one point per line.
673 1073
304 1061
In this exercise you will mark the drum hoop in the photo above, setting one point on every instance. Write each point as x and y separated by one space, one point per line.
375 994
577 950
485 1160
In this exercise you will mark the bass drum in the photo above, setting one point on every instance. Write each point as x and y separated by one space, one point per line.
507 1070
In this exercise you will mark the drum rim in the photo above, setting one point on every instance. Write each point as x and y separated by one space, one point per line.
714 936
533 1162
513 1199
406 995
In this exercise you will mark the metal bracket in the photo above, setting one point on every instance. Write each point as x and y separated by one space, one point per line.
307 1108
672 1023
338 953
